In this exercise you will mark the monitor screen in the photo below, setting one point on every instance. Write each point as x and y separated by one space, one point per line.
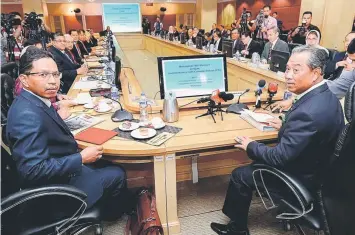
199 42
278 61
227 47
190 76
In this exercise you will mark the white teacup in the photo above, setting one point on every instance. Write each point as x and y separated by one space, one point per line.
103 106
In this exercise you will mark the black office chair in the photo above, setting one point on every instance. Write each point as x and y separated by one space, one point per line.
331 208
10 68
7 95
332 53
291 46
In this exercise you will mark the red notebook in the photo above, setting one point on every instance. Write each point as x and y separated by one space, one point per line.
95 135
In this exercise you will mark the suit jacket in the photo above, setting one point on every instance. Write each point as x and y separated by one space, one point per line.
341 85
307 139
237 46
84 50
78 56
219 47
279 46
66 67
42 145
93 41
254 46
330 72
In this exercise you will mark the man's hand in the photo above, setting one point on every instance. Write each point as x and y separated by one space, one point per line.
244 52
275 123
82 70
341 63
242 142
263 29
349 67
64 112
91 154
63 97
296 31
281 105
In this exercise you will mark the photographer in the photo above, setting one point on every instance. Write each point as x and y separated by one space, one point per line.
265 23
245 24
298 35
11 36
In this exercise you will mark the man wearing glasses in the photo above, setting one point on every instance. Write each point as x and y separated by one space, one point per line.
45 150
66 65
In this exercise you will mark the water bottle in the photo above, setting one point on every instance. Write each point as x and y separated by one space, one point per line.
114 92
237 55
143 109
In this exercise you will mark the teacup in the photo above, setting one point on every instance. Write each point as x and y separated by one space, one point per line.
103 106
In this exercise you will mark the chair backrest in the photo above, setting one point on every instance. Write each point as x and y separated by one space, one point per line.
9 178
332 53
291 46
10 68
7 94
338 188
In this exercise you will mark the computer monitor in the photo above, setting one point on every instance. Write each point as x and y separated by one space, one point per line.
183 38
227 47
199 42
189 76
171 37
279 60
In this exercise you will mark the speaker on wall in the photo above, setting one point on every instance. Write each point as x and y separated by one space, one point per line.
77 10
163 9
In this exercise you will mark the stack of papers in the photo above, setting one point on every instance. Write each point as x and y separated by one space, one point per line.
258 120
81 122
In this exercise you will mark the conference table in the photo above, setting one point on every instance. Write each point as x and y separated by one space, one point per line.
201 149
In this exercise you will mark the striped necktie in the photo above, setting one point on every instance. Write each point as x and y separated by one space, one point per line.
78 49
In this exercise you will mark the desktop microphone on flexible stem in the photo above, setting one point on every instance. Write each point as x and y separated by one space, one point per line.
121 114
238 108
258 92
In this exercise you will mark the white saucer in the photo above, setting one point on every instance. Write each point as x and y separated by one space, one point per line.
89 106
103 110
134 126
151 132
161 125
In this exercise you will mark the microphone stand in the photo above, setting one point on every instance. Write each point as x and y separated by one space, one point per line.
219 109
121 114
269 100
210 110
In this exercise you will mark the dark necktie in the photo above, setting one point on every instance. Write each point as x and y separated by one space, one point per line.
84 47
72 56
78 49
65 53
269 55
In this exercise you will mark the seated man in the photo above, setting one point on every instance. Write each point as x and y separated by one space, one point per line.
217 40
83 44
66 65
77 50
45 150
250 46
208 40
237 43
306 139
274 44
336 66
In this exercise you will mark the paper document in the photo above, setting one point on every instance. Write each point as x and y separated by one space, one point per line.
89 85
81 122
259 117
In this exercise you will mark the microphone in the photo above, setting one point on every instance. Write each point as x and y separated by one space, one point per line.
258 92
225 96
272 90
204 100
246 91
238 108
121 114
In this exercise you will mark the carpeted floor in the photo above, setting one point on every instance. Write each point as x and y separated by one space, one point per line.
200 204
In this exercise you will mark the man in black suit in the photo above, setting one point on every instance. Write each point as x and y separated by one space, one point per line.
217 40
77 51
335 67
250 46
224 33
45 150
65 64
237 43
306 138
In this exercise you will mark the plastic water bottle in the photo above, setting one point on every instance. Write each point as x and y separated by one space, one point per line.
143 109
114 92
237 55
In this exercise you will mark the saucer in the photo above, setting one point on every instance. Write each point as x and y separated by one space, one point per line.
108 108
137 135
134 126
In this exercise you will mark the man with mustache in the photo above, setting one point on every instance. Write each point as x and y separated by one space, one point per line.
306 138
45 150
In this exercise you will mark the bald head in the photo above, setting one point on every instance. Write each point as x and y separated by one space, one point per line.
68 41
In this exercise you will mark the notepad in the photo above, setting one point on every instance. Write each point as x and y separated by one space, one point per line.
261 124
95 135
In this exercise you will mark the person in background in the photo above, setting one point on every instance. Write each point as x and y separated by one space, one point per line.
335 67
306 139
298 35
217 36
176 33
158 26
268 23
190 33
250 46
44 148
313 39
237 42
79 57
229 32
208 40
279 22
107 31
223 31
65 64
274 44
214 28
234 25
69 44
145 25
195 34
90 38
249 24
83 44
35 42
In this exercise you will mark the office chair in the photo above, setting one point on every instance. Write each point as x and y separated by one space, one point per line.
7 95
10 68
332 53
331 208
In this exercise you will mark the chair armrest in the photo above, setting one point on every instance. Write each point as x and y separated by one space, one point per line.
29 194
300 189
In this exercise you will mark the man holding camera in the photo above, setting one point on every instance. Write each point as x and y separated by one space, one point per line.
298 35
267 23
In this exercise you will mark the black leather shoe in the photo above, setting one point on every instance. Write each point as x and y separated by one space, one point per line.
225 229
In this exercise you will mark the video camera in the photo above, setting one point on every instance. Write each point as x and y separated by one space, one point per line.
260 18
32 20
8 21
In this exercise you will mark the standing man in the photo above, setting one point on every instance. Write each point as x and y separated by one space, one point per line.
274 44
298 35
306 139
237 42
158 27
268 23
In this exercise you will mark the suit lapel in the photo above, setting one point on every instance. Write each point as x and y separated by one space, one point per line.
36 101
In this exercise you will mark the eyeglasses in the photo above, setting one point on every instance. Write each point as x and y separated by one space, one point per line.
60 41
69 42
46 76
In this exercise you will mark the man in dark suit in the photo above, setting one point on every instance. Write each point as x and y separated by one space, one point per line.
274 44
65 64
306 138
45 150
250 46
217 40
77 50
335 67
237 43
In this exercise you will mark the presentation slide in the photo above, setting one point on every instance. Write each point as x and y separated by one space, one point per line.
193 77
122 17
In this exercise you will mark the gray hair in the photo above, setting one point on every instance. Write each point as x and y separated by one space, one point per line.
57 34
275 29
317 57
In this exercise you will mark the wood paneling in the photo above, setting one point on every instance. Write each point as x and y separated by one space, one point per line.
7 8
171 8
94 22
73 22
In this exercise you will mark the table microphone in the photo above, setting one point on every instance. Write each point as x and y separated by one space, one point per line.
121 114
225 96
258 92
272 90
238 108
